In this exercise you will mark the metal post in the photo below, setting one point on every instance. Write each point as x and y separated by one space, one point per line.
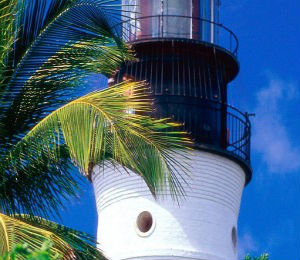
162 18
212 18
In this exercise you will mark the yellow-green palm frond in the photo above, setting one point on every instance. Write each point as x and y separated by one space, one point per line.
62 52
8 10
14 232
112 124
82 244
56 81
9 15
76 42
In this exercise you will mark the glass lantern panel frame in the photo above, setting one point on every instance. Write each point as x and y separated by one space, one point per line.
190 19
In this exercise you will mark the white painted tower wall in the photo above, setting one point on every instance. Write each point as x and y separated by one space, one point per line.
202 227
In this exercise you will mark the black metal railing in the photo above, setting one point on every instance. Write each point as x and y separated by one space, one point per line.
239 133
211 123
221 126
177 26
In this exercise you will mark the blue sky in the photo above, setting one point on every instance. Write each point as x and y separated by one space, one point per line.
268 85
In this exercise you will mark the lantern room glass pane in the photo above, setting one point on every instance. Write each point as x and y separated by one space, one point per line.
192 19
177 19
129 15
205 14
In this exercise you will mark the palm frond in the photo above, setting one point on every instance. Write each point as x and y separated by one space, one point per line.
35 182
7 20
64 52
10 11
38 14
77 42
96 127
14 231
82 244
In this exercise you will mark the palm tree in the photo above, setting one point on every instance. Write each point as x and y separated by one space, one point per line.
45 127
262 257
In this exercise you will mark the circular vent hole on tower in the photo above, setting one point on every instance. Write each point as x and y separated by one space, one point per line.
234 237
144 221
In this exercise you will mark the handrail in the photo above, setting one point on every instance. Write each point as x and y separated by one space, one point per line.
239 126
233 136
199 29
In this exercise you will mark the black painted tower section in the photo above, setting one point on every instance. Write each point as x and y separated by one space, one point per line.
188 79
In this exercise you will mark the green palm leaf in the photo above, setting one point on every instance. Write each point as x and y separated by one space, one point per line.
38 14
82 244
75 41
35 182
14 232
10 11
96 128
7 19
60 65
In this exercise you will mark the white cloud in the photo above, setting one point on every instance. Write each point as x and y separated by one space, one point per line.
247 245
277 106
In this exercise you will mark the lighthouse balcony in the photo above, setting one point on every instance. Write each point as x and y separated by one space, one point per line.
160 27
215 126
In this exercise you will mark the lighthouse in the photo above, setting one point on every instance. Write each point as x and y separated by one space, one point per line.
188 58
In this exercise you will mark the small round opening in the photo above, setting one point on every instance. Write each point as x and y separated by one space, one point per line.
144 221
234 237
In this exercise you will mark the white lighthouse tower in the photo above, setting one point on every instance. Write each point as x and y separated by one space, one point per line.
188 58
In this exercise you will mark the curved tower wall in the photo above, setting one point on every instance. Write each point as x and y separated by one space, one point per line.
201 226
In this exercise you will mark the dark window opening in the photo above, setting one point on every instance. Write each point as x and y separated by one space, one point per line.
144 221
234 237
